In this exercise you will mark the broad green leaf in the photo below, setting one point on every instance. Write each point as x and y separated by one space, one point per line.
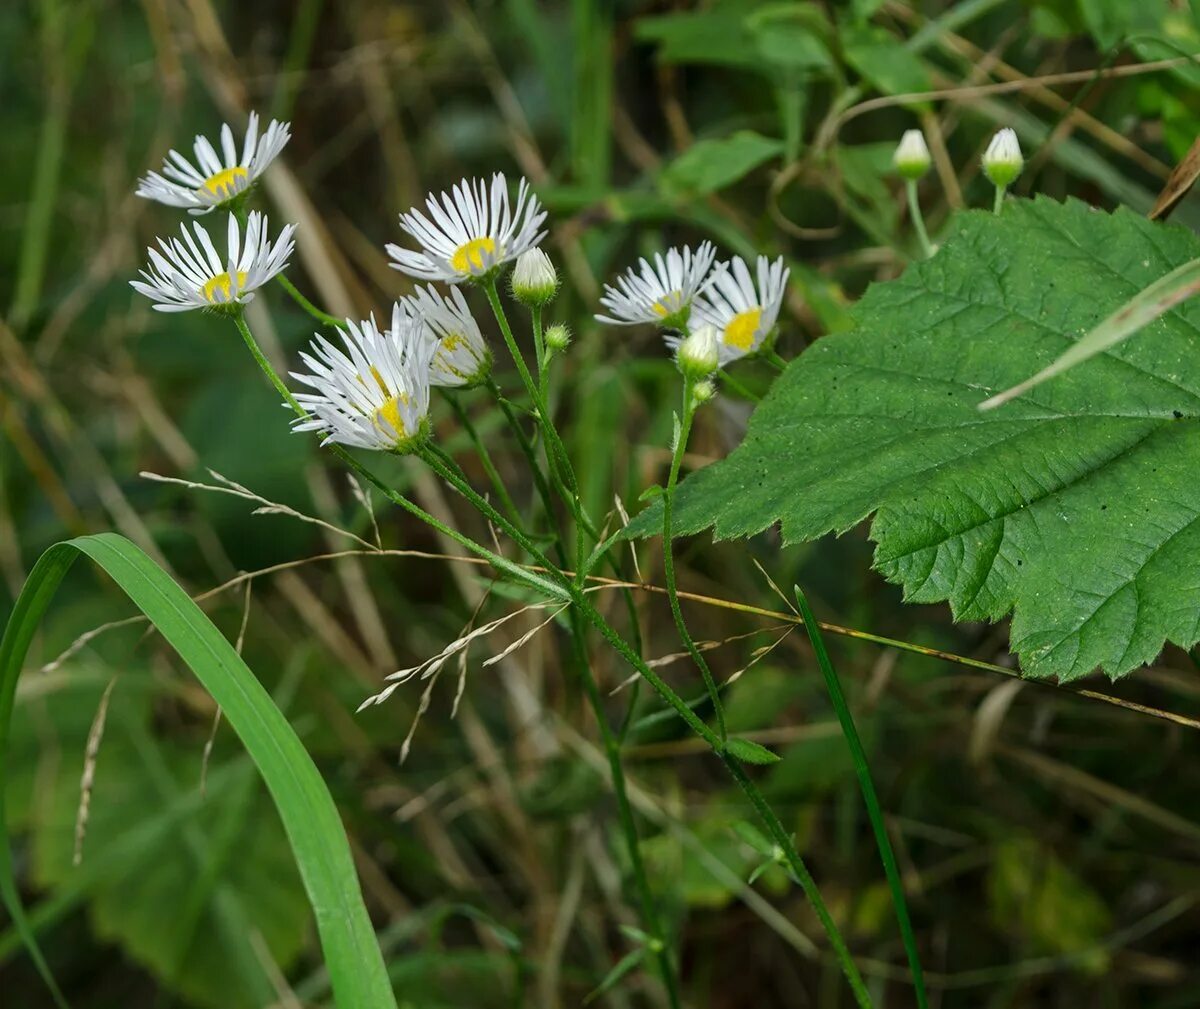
890 67
1072 507
719 37
709 165
1137 313
314 829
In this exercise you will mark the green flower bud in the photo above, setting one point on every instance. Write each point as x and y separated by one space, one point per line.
1002 161
697 355
912 155
534 280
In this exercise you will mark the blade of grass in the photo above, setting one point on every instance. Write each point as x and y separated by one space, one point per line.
357 972
859 755
1137 313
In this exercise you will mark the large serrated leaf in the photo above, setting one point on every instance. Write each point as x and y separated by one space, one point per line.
1074 507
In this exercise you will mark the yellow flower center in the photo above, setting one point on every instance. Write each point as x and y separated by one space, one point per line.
222 282
742 329
227 179
388 419
450 342
469 258
668 304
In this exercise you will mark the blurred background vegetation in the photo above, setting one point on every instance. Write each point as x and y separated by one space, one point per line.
1049 840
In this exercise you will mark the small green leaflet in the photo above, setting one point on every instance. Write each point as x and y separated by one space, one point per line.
1074 507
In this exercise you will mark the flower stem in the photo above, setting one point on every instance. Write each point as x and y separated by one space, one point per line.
771 356
556 585
918 219
612 750
485 457
999 202
583 604
736 386
559 459
324 318
710 684
867 786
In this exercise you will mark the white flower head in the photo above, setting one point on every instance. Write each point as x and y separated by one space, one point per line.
534 280
742 312
1003 161
662 293
912 158
697 354
471 231
189 274
461 356
375 392
215 181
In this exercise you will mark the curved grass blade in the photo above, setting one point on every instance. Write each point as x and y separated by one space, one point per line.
357 972
871 800
1137 313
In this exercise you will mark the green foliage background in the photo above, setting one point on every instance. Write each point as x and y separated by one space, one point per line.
1049 838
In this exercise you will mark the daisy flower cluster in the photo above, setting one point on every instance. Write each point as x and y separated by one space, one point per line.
369 385
687 290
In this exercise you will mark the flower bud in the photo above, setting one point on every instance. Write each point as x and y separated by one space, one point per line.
702 392
912 155
534 280
1002 161
698 356
558 338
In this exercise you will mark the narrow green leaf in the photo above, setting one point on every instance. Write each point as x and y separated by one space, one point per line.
754 837
710 165
1137 313
622 967
750 752
352 956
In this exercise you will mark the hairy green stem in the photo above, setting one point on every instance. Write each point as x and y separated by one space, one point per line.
612 750
324 318
559 460
998 204
710 684
859 755
583 604
556 585
918 219
485 457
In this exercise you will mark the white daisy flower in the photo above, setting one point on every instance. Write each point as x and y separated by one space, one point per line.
186 275
375 393
742 313
472 230
217 180
461 355
662 293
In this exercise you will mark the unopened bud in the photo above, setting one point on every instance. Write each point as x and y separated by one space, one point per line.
1002 161
558 338
912 155
702 392
534 280
698 356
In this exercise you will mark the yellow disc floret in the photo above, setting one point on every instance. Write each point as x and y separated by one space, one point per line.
388 418
742 329
223 283
224 182
469 258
